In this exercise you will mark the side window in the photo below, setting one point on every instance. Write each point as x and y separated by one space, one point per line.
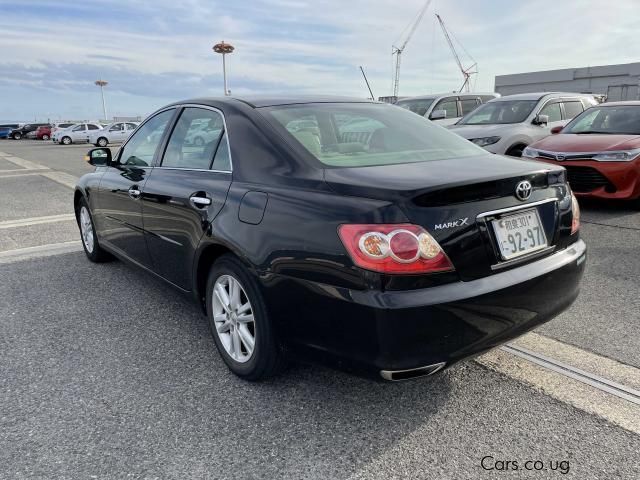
79 128
142 146
450 105
115 128
93 127
222 160
572 109
486 98
468 105
553 111
194 139
131 126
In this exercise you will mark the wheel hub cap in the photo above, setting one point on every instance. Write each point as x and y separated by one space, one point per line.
233 318
86 230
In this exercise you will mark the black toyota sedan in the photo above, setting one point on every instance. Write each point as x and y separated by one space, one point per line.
344 231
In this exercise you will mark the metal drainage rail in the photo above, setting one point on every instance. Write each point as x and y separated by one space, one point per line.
570 371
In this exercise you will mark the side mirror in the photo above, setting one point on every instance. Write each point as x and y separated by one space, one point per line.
557 129
541 120
99 157
438 115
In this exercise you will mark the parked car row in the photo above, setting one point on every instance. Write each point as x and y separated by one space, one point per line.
597 143
70 132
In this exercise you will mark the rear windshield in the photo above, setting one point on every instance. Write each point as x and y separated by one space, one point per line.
623 120
361 134
419 106
499 112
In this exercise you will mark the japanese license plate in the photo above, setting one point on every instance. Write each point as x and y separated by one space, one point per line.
519 234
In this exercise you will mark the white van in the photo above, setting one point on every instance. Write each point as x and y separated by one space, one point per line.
445 108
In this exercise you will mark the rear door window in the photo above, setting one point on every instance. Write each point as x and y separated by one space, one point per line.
450 105
552 110
468 105
572 108
194 139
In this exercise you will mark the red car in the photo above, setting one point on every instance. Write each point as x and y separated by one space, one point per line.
600 148
43 132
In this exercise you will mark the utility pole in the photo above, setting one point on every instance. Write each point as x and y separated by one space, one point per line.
224 49
102 84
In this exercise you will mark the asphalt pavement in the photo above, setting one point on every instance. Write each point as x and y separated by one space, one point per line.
108 373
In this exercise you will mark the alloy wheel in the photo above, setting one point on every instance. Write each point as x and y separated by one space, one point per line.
86 229
233 318
66 140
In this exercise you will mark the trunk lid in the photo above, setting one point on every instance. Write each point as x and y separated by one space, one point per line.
449 197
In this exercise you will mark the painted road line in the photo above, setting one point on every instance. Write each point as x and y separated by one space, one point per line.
596 381
585 397
21 254
26 222
582 359
26 164
62 178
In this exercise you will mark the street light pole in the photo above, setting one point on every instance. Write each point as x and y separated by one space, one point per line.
224 49
102 84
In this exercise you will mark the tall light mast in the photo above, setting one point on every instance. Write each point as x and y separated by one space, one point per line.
466 72
102 83
397 51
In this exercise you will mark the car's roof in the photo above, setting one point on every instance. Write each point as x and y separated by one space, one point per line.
538 96
449 94
627 103
269 101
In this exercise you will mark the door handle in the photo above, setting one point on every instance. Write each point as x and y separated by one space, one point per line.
199 202
134 192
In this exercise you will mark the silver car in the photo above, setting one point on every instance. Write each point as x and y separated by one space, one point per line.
77 133
116 132
507 125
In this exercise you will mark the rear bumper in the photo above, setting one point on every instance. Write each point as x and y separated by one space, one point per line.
370 331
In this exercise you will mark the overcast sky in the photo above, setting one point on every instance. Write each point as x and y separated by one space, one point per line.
155 52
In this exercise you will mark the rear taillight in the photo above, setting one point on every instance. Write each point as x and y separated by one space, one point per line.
575 210
396 248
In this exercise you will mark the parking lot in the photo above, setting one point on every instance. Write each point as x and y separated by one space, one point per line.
107 373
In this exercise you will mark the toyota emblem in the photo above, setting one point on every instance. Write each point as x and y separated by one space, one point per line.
523 190
560 157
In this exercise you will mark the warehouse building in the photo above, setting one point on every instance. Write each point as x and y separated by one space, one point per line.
617 82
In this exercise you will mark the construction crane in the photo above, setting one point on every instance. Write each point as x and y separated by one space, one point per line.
466 72
397 51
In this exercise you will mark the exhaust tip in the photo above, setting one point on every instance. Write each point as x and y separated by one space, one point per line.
398 375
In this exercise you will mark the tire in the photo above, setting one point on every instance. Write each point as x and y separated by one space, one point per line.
66 140
198 141
516 150
45 137
266 358
90 243
102 142
17 136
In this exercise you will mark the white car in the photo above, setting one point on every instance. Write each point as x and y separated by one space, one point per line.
445 108
508 124
77 133
205 133
116 132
